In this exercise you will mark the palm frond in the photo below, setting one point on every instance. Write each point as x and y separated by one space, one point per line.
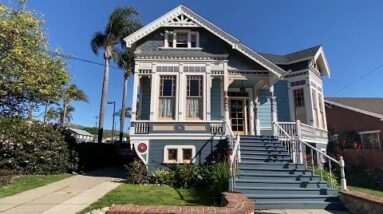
122 22
98 41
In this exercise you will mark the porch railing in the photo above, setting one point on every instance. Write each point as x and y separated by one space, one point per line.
147 127
235 155
290 136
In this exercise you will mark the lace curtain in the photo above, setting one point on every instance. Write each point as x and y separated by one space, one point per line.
166 107
193 107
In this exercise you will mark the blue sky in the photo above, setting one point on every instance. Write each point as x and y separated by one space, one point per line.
350 31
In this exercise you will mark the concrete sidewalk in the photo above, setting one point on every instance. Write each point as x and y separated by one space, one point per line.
67 196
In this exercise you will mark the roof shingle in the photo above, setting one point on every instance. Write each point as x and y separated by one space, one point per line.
374 105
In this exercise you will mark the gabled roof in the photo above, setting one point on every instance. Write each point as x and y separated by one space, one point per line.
368 106
305 54
315 53
80 131
199 21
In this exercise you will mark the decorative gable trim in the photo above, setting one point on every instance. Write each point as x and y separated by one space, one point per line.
322 57
193 19
372 114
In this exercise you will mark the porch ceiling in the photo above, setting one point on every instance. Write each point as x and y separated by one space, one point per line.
246 83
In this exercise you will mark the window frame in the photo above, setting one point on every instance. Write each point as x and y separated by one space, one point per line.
161 78
180 158
174 37
200 96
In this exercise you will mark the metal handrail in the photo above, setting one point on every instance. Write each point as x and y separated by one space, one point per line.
298 138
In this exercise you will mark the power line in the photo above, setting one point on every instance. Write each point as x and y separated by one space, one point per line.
357 80
83 60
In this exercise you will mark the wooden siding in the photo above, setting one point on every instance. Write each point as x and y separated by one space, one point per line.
264 112
146 90
282 99
205 151
216 97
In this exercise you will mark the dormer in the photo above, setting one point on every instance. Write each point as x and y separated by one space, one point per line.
181 39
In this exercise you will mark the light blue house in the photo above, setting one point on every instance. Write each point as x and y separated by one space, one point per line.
196 88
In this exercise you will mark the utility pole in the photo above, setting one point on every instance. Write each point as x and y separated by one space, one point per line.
96 125
114 114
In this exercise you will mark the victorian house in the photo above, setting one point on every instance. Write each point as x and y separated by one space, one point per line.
198 90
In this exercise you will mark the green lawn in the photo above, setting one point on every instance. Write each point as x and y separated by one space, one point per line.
365 190
27 182
151 195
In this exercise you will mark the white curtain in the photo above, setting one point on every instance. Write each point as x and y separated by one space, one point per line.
166 107
193 107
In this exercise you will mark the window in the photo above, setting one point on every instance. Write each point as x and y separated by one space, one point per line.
169 40
315 108
299 98
167 96
194 101
179 154
193 40
370 140
321 110
181 39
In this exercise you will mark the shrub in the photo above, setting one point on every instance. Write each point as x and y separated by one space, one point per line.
220 174
137 172
162 177
34 148
5 177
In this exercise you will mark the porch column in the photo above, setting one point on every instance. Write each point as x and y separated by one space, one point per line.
257 121
273 111
251 112
136 84
226 93
207 107
153 92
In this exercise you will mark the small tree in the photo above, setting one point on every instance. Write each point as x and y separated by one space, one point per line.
70 94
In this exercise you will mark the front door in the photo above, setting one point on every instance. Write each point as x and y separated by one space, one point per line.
238 115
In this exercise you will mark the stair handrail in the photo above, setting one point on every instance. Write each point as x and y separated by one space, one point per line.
302 155
235 155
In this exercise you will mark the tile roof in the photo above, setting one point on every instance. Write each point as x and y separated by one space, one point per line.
298 55
373 105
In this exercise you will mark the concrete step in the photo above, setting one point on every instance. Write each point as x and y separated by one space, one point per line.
272 177
262 160
286 191
270 165
265 156
292 198
264 152
279 183
277 171
299 205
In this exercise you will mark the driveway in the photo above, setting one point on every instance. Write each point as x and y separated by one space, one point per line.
67 196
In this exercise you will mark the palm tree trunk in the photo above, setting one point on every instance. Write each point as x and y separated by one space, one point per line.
123 107
104 94
65 106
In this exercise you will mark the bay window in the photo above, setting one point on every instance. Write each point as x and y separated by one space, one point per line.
194 98
167 96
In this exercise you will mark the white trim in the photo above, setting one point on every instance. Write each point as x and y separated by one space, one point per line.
235 43
369 132
380 116
179 149
321 54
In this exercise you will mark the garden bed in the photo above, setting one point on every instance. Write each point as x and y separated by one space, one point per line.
27 182
152 195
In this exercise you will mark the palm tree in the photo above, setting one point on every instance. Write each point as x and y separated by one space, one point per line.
65 114
125 60
122 22
52 114
71 93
